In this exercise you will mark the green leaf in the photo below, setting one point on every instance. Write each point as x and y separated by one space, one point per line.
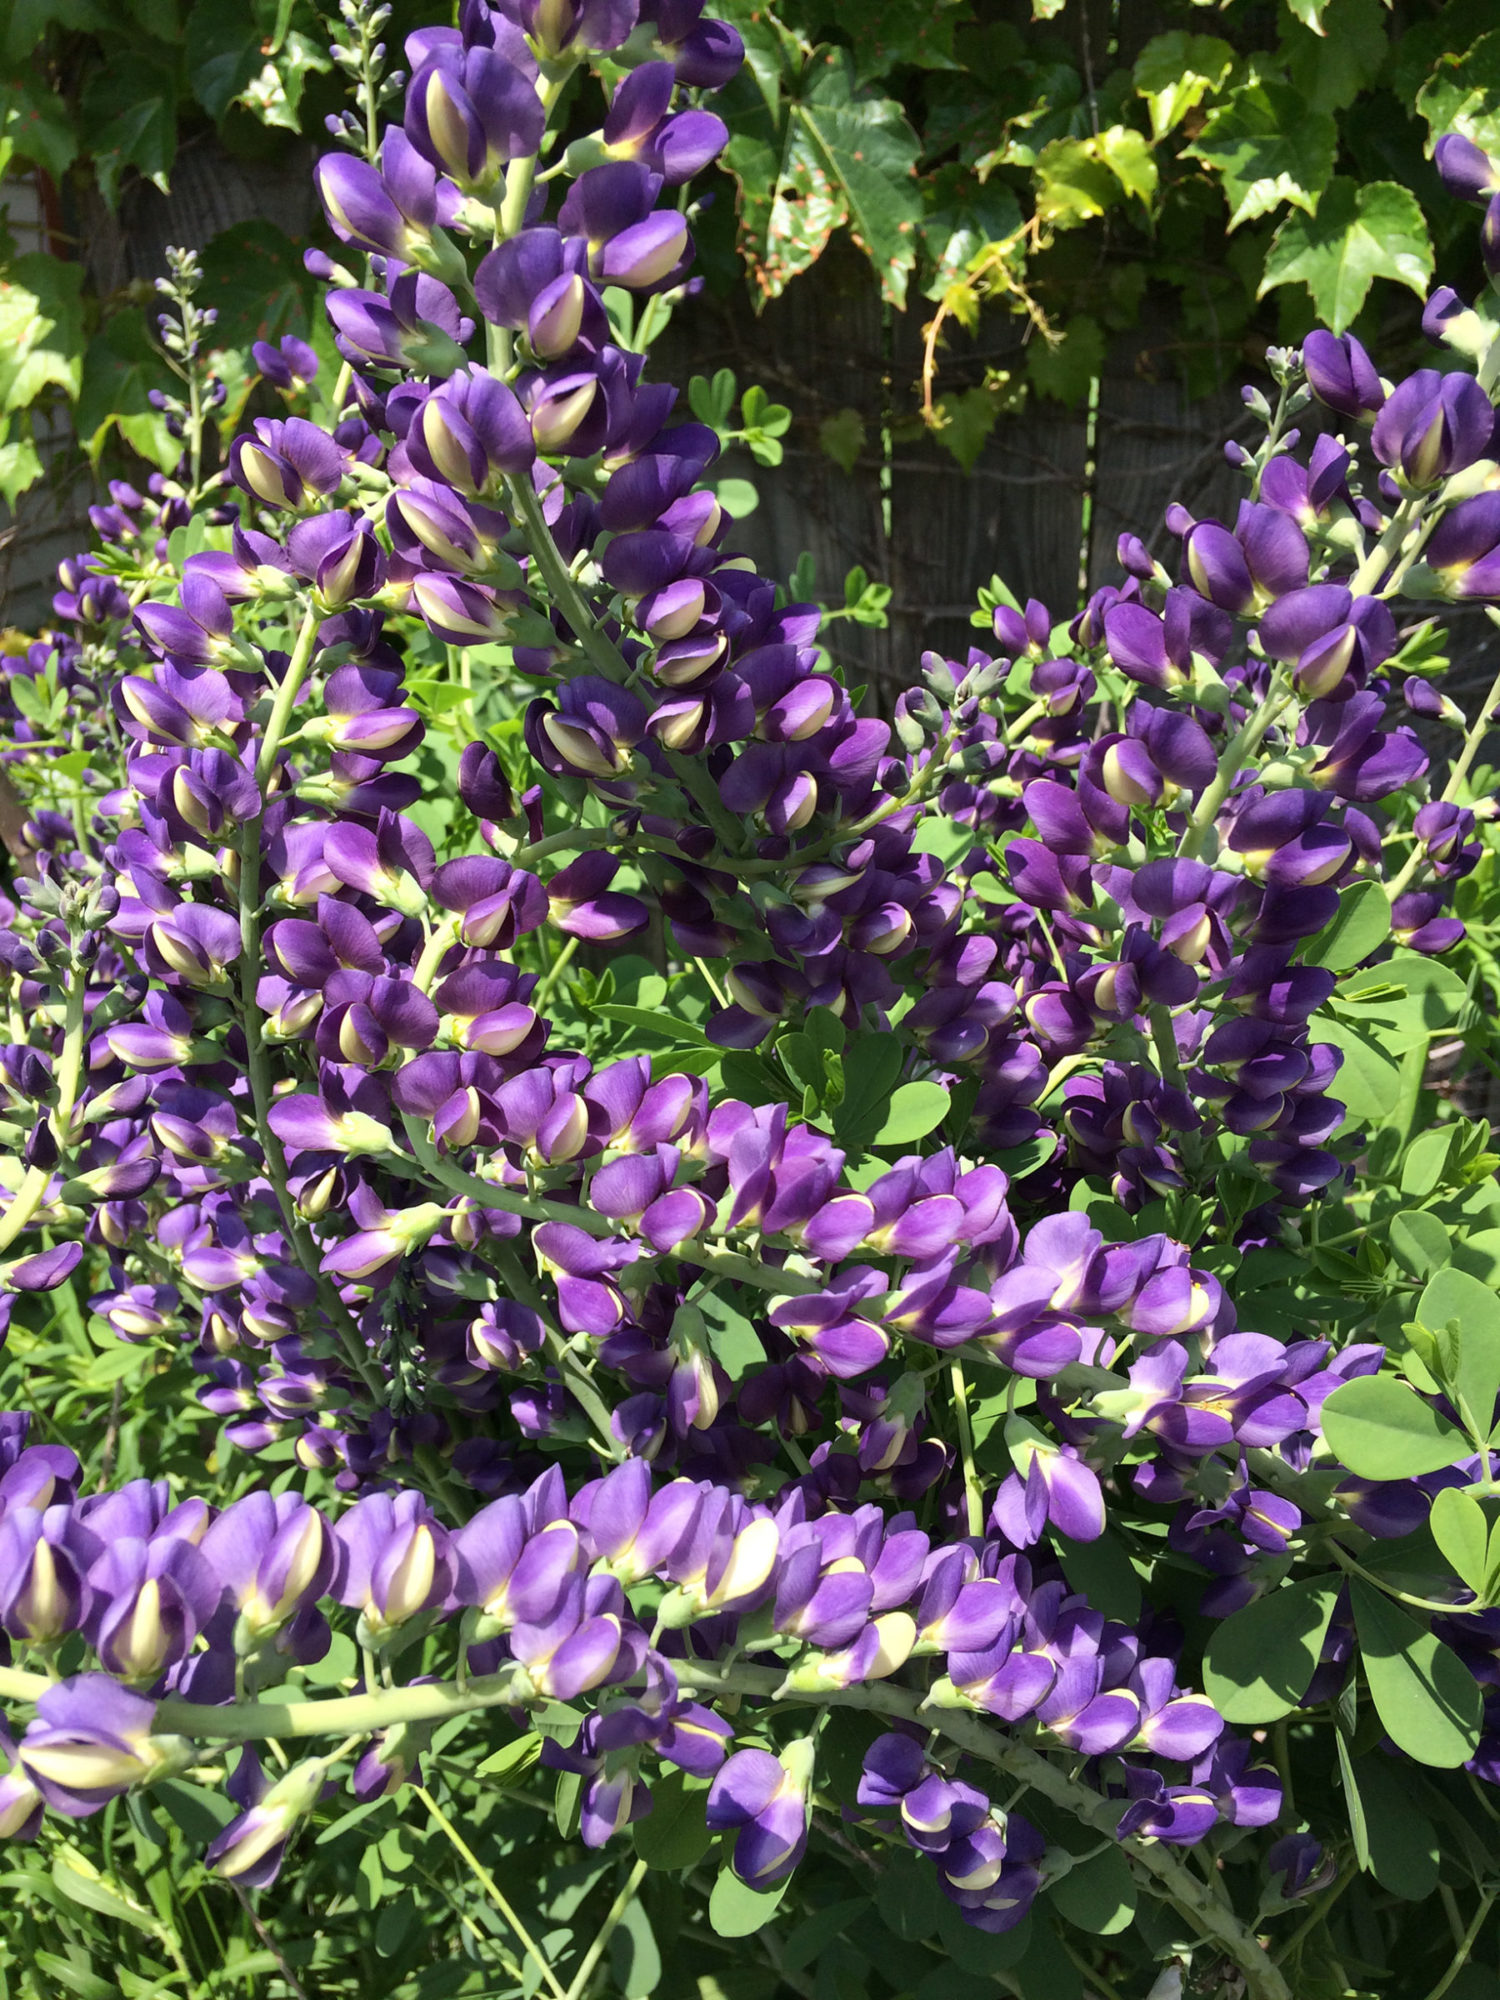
812 1937
1333 65
634 1955
511 1761
1368 1080
78 1879
34 122
129 117
868 150
1097 1895
810 151
949 839
915 1110
24 22
872 1067
1454 1295
1268 148
651 1021
1127 153
1425 1696
841 437
1359 233
732 1337
1463 94
1420 1241
887 34
120 367
968 218
1176 71
1259 1660
1354 1803
20 465
1103 1572
1067 369
1309 13
1424 1161
199 1812
1380 1429
735 1911
274 94
1404 1852
222 45
1073 183
254 278
41 329
674 1834
1361 925
1462 1533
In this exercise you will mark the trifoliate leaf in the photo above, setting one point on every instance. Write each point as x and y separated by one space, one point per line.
1358 234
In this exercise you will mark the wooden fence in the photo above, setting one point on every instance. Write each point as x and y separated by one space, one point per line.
1043 506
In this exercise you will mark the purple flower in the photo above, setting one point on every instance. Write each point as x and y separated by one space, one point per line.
92 1740
764 1801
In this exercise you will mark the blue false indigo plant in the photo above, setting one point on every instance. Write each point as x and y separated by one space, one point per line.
893 1294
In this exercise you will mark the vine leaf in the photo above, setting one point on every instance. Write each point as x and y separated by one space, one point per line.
811 151
1358 234
1269 148
1175 72
1463 94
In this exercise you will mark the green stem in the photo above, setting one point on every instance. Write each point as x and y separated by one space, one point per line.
32 1192
1375 563
285 701
1465 1945
578 1985
548 984
257 1054
566 595
491 1888
973 1497
1242 745
366 1714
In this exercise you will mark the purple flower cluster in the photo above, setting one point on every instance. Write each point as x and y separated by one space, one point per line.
299 1088
186 1602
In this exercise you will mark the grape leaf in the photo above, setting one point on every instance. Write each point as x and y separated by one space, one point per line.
1334 63
1358 234
1066 370
1463 94
1269 148
1175 72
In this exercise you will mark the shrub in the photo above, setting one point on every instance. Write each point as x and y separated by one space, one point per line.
848 1286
